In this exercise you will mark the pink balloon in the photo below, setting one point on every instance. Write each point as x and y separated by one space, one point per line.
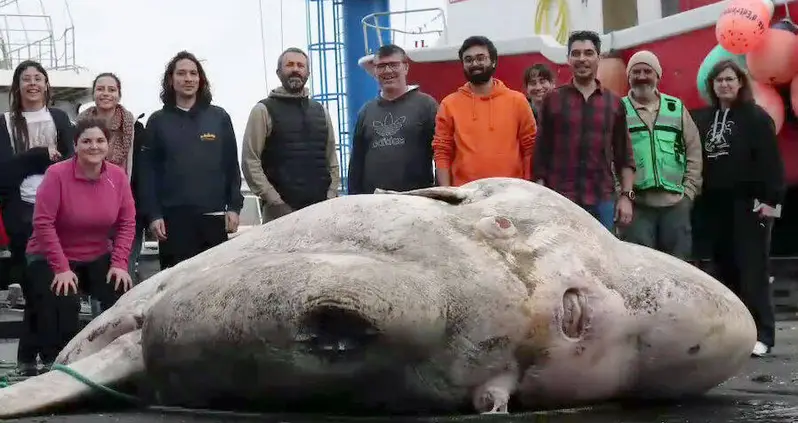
769 99
742 25
794 95
775 61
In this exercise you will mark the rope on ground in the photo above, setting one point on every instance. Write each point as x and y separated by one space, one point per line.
96 386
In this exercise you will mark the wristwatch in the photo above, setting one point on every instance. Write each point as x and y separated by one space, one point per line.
629 194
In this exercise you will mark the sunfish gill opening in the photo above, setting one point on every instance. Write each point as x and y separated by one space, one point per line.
573 316
336 334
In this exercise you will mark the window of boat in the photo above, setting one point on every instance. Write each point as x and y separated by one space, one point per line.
619 14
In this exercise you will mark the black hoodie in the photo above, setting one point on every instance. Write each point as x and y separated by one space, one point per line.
741 154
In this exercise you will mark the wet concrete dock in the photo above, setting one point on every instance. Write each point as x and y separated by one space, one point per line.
765 392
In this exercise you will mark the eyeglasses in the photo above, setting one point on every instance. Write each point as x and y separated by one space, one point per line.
480 58
727 79
394 66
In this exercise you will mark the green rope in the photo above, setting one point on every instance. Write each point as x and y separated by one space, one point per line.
96 386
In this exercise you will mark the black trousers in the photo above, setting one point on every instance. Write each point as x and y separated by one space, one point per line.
57 316
18 219
188 234
740 248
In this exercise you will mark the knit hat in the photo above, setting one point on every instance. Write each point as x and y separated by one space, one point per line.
647 57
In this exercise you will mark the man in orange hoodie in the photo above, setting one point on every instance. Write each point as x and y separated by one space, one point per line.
484 129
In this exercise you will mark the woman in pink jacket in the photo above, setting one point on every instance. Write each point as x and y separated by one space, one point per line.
83 229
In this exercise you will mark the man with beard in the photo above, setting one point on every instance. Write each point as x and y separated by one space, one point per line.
288 155
392 144
483 129
538 81
584 143
667 149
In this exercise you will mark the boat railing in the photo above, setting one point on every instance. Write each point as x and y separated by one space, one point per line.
372 21
28 34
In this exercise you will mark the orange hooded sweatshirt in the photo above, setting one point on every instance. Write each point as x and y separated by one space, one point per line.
481 137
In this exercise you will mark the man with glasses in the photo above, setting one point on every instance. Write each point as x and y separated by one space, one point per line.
483 129
584 143
392 142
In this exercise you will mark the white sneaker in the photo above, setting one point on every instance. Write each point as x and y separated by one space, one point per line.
760 349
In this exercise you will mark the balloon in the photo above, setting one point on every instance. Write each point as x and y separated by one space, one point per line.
717 54
786 25
775 61
612 75
770 7
794 96
769 99
742 26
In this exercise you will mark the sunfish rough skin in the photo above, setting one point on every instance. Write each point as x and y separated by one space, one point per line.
434 300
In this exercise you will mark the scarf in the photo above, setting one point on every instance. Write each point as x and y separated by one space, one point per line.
120 146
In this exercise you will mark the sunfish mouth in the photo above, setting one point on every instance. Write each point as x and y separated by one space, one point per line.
336 334
574 316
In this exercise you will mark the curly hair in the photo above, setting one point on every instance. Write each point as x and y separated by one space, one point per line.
168 95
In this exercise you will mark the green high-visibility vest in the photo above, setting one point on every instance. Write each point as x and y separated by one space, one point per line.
659 153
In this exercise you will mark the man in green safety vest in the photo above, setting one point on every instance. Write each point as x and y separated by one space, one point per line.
667 150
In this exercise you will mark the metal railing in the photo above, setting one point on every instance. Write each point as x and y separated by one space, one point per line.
30 36
372 21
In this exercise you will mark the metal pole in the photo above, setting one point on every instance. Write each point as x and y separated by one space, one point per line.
263 46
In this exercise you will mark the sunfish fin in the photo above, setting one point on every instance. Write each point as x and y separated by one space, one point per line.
118 362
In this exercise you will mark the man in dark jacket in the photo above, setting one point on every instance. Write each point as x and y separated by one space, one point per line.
191 182
288 157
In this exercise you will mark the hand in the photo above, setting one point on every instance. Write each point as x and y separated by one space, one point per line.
63 281
279 210
766 211
55 155
623 211
231 221
121 277
158 228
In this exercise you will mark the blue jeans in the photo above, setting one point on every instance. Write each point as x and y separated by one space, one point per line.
604 212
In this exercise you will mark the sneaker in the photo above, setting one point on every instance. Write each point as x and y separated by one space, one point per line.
760 349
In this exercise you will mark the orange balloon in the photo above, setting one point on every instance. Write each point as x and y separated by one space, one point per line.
612 75
769 99
742 26
775 61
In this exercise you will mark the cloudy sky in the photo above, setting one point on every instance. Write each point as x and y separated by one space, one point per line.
136 38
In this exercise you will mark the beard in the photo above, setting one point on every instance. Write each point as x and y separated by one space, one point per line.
643 89
294 82
480 78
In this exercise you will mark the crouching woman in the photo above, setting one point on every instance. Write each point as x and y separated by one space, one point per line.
84 222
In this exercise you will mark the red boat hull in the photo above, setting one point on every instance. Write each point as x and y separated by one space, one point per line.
681 56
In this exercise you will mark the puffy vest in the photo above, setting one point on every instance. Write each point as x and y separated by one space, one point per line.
659 153
295 156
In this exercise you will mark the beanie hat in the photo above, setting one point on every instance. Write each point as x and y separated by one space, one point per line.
646 57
